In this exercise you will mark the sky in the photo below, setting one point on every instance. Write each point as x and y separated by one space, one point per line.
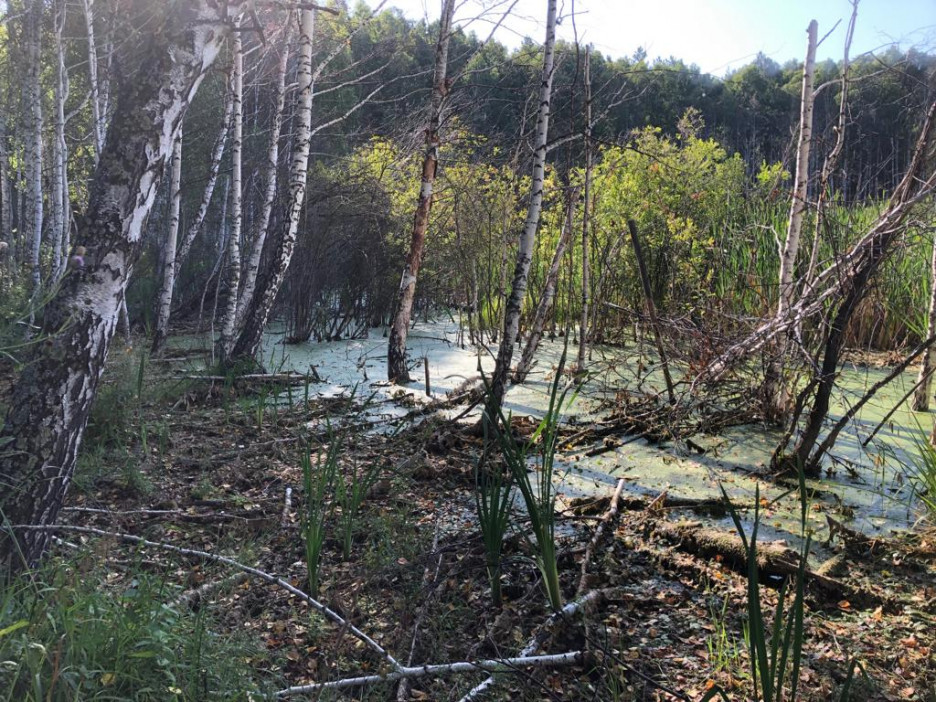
716 35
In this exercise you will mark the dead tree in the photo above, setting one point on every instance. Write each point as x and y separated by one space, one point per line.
396 349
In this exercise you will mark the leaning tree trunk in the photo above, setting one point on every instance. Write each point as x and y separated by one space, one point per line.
228 326
396 349
164 302
921 396
269 197
545 304
280 247
528 235
51 400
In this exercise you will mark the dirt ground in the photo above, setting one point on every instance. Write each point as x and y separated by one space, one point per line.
211 472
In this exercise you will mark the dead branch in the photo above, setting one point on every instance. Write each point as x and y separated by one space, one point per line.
599 534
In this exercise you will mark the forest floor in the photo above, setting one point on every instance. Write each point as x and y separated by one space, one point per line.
206 466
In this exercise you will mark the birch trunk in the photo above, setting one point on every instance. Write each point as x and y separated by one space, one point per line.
51 400
921 396
281 246
226 342
33 147
269 196
97 114
545 304
396 349
799 204
60 219
216 155
6 193
586 213
528 235
169 250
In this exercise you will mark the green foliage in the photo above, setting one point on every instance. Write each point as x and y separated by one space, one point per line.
350 494
64 636
493 488
318 482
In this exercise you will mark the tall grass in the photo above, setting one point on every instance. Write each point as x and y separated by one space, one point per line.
318 482
540 499
63 636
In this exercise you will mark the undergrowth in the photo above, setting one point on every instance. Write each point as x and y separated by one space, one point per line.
65 636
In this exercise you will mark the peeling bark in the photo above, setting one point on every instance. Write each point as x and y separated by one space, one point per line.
164 302
51 400
528 235
281 245
396 347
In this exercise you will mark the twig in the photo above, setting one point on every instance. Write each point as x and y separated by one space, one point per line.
250 570
541 634
190 598
606 519
287 505
492 665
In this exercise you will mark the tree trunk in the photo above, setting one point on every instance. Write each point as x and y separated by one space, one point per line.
98 115
281 246
60 200
586 216
228 322
528 235
164 303
549 295
33 147
396 349
269 197
51 400
216 154
799 203
921 396
6 194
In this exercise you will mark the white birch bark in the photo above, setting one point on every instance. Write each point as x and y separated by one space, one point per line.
6 194
226 342
269 195
60 218
528 235
921 399
97 113
216 155
33 146
586 217
42 433
164 302
281 245
799 203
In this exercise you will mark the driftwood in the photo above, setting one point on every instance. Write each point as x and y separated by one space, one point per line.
599 534
774 560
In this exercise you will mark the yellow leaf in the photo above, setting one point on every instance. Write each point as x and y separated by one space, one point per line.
108 679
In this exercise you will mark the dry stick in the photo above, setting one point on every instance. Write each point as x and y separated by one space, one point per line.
263 575
651 308
847 417
190 598
540 636
287 506
897 405
438 669
606 519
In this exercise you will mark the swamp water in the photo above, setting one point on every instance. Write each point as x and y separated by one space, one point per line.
862 487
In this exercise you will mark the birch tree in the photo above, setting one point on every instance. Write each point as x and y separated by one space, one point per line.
799 203
528 235
60 204
545 304
925 376
98 114
396 349
33 146
586 216
283 242
226 342
51 400
269 195
169 249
